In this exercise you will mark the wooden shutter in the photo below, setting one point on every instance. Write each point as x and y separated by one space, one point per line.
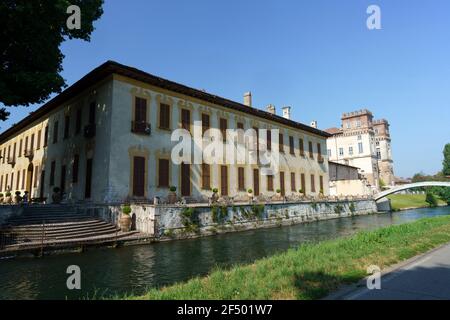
18 180
281 142
224 180
269 140
66 126
302 147
311 151
92 113
164 116
303 186
31 143
256 182
55 133
78 121
1 183
205 122
14 150
24 178
88 180
63 178
270 183
283 190
75 168
313 183
46 136
163 174
52 173
42 182
185 179
140 110
293 188
186 119
206 176
291 145
36 176
223 128
138 176
20 148
241 177
38 140
321 184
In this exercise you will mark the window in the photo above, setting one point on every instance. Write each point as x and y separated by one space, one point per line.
63 178
270 183
223 123
20 148
164 116
241 179
360 147
359 138
291 145
206 124
139 176
341 152
224 180
52 173
78 121
46 136
302 147
75 168
350 151
313 184
348 125
92 112
269 140
36 176
14 150
283 190
281 142
23 178
206 176
240 126
55 133
66 127
303 183
18 180
1 183
32 142
319 152
321 184
311 151
163 173
293 182
38 146
358 123
329 152
140 111
6 182
378 154
186 119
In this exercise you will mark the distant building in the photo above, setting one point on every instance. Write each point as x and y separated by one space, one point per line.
363 143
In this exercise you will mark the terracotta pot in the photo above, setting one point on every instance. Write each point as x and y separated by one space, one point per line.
172 198
125 222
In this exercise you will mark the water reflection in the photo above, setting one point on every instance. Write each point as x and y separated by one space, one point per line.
133 269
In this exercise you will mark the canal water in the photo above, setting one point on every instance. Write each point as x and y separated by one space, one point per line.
106 272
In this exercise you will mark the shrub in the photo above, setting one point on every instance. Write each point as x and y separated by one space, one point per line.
215 190
278 190
352 207
338 209
301 191
191 220
431 200
126 209
1 195
8 194
173 189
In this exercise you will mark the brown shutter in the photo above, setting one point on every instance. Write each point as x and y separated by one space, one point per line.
291 145
1 183
303 186
206 184
302 148
283 190
185 179
256 182
311 151
321 184
75 168
186 119
42 182
269 140
224 180
20 148
223 128
52 173
138 176
313 183
140 110
270 183
31 142
78 121
163 174
164 116
281 142
293 188
205 122
18 180
36 176
39 140
241 177
63 178
88 180
46 136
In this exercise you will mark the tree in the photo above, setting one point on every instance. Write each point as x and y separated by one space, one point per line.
431 200
446 163
30 36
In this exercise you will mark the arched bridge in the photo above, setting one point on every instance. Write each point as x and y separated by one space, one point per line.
410 186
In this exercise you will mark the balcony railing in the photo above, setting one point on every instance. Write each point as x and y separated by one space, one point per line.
11 160
141 127
89 131
28 153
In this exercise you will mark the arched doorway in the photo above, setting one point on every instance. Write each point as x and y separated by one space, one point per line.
29 179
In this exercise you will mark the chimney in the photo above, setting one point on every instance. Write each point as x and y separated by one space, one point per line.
286 112
248 99
314 124
271 109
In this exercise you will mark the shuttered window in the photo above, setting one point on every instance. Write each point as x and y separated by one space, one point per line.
31 142
302 147
55 132
63 178
269 140
293 188
256 182
311 151
18 180
282 188
223 128
52 173
206 176
185 179
75 168
241 179
270 183
38 146
321 184
46 136
281 142
164 116
224 180
36 176
291 145
78 121
138 176
186 119
20 148
1 183
140 110
6 182
313 183
205 122
66 126
303 182
163 173
24 178
92 112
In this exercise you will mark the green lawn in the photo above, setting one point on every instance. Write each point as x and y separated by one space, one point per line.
311 271
403 201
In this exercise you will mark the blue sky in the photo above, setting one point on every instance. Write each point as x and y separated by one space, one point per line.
316 56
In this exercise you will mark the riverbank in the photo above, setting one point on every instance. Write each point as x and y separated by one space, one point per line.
313 270
410 201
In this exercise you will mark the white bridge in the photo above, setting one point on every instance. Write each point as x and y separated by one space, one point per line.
383 194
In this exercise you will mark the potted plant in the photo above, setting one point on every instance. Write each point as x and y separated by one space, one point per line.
215 195
56 196
172 198
301 191
17 198
125 219
250 194
8 199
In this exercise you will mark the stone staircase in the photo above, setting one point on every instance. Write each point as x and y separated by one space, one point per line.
55 224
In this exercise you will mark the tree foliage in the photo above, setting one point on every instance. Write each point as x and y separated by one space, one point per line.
446 162
431 200
30 36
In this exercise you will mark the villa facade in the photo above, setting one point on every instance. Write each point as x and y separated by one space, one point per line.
107 138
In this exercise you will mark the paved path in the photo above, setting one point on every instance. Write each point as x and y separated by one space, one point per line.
424 278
